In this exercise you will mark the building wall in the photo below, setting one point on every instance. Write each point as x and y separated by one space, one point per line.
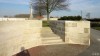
72 32
18 35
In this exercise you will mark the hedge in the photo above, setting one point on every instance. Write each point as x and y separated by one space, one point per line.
77 18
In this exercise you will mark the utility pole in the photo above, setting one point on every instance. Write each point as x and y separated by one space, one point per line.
82 14
88 15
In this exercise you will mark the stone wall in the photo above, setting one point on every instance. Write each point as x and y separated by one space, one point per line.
72 32
50 19
15 36
58 27
7 19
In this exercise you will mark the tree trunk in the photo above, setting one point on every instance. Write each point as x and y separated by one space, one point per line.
48 17
47 11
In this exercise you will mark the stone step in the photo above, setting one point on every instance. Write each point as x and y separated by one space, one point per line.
46 30
49 35
52 41
51 38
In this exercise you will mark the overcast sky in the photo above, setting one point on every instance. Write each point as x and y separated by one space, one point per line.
13 7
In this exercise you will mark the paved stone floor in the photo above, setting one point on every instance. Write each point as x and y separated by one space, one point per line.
94 49
54 50
67 50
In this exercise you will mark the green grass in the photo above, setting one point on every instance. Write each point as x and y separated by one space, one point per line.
97 28
45 24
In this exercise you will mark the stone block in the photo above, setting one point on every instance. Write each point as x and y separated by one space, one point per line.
17 34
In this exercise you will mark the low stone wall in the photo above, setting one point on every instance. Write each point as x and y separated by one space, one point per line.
15 36
45 19
72 32
9 19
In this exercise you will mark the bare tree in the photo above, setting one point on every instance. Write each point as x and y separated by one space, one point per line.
50 5
39 8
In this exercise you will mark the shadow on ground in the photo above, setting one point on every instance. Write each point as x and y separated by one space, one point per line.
54 50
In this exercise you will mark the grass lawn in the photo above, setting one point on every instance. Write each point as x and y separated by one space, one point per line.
45 24
97 28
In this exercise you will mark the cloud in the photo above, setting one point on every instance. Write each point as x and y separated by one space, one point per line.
25 2
79 4
76 6
86 6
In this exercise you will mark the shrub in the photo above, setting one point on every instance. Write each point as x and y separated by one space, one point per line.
95 24
77 18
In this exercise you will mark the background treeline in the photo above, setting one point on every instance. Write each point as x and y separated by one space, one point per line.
22 16
77 18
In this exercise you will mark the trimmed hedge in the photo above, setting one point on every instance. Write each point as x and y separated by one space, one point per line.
95 24
75 18
97 28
